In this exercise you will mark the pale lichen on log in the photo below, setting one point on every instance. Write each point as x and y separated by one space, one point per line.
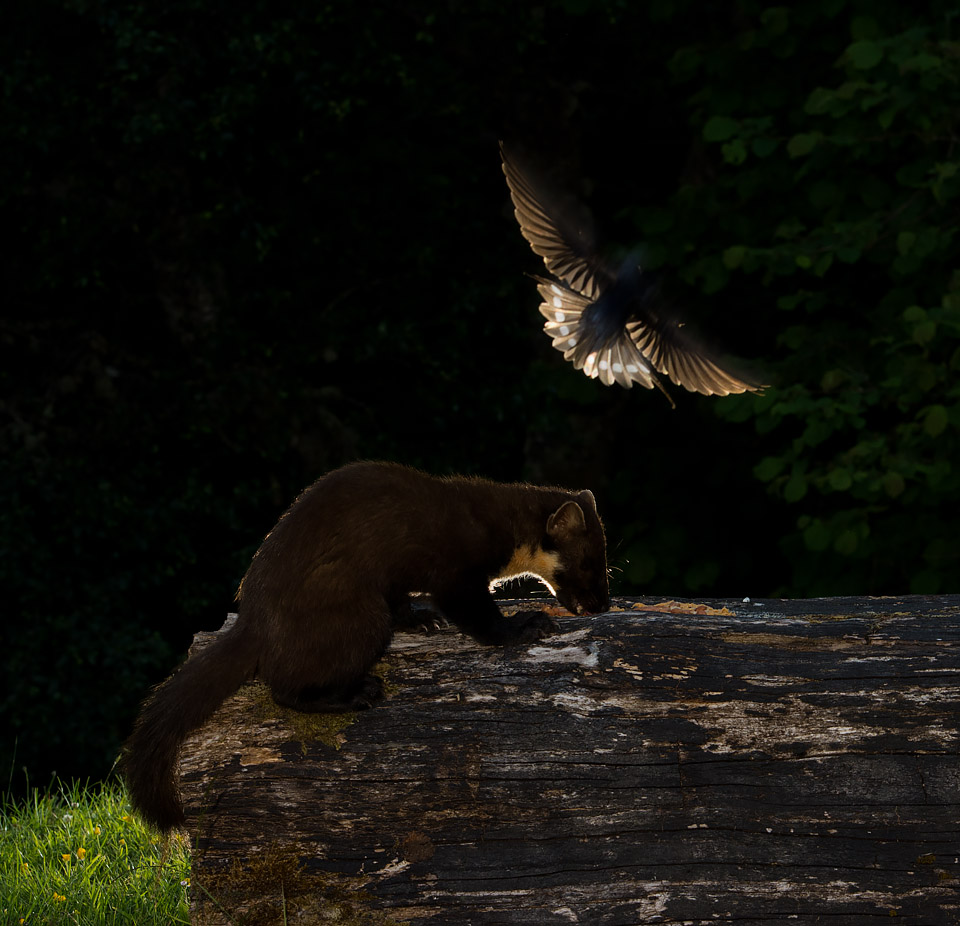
791 761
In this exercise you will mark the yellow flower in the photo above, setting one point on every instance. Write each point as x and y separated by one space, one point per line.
81 853
58 898
127 818
65 856
123 841
24 867
96 831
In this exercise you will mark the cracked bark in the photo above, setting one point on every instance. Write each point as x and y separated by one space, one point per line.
791 761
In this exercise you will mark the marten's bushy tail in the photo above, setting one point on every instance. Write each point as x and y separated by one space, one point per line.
181 704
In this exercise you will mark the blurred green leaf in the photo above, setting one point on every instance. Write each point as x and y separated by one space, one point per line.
935 420
840 479
817 537
769 468
924 332
893 484
733 256
846 542
720 128
905 241
734 152
802 144
865 54
764 147
795 489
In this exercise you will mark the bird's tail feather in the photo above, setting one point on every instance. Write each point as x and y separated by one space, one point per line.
611 360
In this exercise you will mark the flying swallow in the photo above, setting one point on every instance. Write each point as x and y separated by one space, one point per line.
608 321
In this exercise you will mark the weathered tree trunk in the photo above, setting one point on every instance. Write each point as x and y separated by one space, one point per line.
770 762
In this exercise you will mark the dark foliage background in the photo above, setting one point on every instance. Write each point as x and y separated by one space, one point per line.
247 243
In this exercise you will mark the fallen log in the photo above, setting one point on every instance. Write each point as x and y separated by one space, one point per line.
769 761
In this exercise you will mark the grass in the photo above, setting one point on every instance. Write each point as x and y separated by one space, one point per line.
77 855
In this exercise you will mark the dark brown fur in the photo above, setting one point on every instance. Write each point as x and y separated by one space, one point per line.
331 582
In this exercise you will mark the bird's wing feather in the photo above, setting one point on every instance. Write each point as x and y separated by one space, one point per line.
565 248
679 357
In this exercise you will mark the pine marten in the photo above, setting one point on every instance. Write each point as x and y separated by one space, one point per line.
332 581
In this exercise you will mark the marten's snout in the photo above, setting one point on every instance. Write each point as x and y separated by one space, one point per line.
595 604
584 602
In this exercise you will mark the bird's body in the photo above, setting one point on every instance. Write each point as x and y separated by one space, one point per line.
608 322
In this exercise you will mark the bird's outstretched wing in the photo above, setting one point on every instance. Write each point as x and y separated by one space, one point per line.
565 248
679 357
632 351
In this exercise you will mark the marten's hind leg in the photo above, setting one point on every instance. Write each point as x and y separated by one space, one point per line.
324 665
318 700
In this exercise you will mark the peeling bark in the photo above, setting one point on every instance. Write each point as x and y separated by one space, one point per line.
790 761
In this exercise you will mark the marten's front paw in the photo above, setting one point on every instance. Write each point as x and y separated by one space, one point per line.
419 620
536 625
430 622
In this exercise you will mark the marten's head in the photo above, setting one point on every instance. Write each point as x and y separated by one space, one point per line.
574 535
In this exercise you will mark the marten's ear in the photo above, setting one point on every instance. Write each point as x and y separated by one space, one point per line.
587 500
566 521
